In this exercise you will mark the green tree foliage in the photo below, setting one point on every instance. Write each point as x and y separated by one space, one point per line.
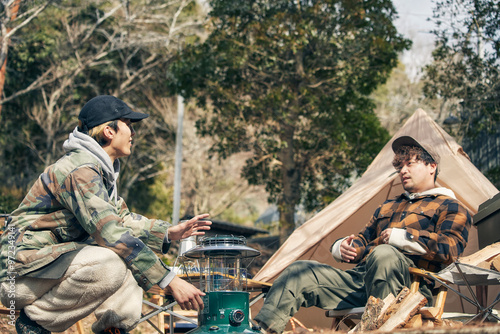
75 50
399 98
10 197
466 66
289 81
153 197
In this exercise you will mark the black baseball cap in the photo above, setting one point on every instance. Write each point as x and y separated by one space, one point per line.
105 108
410 141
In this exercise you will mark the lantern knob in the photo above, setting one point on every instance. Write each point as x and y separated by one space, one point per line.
236 317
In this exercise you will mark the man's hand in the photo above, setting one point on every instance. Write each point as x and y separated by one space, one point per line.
187 295
348 252
385 235
194 226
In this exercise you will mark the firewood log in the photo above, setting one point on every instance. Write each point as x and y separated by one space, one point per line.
393 306
402 312
495 263
369 319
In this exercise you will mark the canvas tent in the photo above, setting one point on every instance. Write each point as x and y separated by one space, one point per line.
349 213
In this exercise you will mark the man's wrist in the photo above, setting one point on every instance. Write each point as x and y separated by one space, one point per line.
167 279
337 255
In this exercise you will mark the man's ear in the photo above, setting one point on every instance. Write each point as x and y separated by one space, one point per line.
108 133
434 166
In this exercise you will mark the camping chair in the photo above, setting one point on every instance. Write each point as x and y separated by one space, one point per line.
470 275
433 312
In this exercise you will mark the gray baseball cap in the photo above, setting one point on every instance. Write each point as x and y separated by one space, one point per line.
410 141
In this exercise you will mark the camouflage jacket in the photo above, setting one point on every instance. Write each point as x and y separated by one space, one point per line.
69 205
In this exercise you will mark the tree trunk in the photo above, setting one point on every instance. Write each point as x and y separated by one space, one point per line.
13 14
291 184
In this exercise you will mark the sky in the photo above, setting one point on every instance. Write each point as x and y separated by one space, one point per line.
413 24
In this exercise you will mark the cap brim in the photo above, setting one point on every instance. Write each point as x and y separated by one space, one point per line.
410 141
405 141
135 116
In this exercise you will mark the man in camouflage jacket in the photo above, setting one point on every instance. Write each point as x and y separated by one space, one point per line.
73 247
425 227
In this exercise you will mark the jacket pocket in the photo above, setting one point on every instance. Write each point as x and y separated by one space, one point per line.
421 218
38 239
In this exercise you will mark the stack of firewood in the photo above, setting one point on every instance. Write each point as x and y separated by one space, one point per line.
406 311
394 312
487 258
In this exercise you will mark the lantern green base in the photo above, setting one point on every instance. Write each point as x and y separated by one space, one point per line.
225 312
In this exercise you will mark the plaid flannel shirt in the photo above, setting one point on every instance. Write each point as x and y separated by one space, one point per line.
440 224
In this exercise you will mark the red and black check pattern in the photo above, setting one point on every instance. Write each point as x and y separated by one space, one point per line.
438 223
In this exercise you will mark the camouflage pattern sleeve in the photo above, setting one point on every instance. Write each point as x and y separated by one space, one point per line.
151 231
83 192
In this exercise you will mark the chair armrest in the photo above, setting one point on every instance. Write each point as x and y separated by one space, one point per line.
427 274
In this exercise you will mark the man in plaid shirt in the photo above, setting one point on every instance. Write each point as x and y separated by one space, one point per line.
424 227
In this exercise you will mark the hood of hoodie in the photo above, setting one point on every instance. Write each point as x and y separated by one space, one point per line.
80 141
433 191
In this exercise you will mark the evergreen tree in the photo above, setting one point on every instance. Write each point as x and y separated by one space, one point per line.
74 50
289 81
465 65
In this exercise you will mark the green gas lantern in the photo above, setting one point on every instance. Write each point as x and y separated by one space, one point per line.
224 281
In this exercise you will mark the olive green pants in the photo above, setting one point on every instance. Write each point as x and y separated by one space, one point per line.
309 283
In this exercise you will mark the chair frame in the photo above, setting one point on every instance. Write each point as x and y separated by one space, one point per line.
483 311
